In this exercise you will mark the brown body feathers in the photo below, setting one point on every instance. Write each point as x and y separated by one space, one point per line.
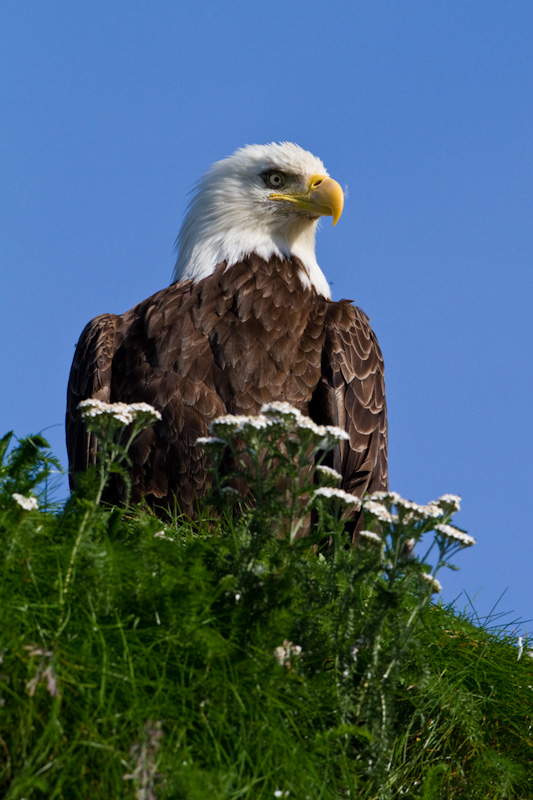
228 343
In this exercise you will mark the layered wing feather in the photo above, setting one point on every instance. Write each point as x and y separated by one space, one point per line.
351 395
90 376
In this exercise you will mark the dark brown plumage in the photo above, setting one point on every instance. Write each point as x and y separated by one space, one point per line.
228 343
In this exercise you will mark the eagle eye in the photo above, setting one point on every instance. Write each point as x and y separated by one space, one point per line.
274 179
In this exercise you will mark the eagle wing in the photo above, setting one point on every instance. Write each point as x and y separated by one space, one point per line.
351 395
90 376
155 353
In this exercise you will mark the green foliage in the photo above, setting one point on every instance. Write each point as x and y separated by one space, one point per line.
231 657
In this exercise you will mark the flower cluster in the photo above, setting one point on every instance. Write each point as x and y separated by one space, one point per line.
379 506
278 415
209 441
285 652
45 672
399 524
337 494
277 454
436 587
449 502
27 503
378 510
370 536
454 533
327 475
125 413
329 435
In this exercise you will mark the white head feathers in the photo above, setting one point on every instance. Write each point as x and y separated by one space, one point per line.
231 215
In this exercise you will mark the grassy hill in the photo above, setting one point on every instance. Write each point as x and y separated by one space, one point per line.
229 657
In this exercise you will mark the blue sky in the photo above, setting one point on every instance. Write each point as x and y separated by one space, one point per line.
424 110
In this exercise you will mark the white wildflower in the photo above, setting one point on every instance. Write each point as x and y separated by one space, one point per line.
162 535
328 474
227 424
371 536
379 511
436 586
307 424
144 412
454 533
122 412
432 511
391 497
450 502
276 412
336 434
279 409
329 434
415 510
258 423
27 503
45 672
285 652
238 423
230 490
337 494
520 648
207 441
92 408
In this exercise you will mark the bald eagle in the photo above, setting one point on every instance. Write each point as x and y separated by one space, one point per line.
247 320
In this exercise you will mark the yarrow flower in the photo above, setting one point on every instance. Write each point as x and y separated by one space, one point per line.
330 433
45 672
162 535
389 498
126 413
436 586
336 434
454 533
144 412
281 409
432 511
371 536
415 510
285 652
208 441
379 511
450 502
278 415
330 476
27 503
338 494
238 423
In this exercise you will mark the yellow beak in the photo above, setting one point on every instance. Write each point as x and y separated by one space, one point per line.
324 198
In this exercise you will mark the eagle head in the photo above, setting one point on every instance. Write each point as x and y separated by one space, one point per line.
263 199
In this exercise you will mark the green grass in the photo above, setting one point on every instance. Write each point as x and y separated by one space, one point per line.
139 665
